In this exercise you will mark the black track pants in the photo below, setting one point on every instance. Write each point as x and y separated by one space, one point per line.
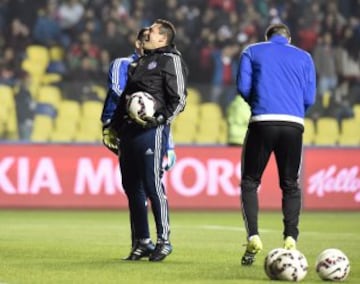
285 141
142 152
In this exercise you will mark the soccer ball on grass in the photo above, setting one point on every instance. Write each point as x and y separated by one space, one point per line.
332 264
282 264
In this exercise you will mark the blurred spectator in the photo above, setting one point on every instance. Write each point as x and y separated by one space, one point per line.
25 107
224 74
237 118
7 75
47 31
81 79
324 57
18 36
70 13
112 40
340 105
25 11
84 47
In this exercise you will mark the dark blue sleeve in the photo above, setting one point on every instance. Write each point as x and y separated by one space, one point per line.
117 79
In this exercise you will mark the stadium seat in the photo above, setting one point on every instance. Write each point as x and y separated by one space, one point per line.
56 53
70 110
49 94
100 92
89 123
8 118
210 111
90 109
209 124
223 135
193 96
32 68
42 128
89 131
66 122
356 109
186 124
327 132
36 60
38 54
51 78
64 130
309 131
350 133
183 131
209 133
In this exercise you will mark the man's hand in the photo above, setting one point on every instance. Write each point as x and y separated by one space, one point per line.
138 120
171 159
154 121
110 140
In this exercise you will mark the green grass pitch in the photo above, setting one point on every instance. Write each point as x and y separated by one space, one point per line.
86 247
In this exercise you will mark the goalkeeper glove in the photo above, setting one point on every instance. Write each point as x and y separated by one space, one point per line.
154 121
110 140
171 159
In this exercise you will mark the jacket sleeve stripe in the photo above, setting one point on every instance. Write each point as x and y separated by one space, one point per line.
180 85
117 78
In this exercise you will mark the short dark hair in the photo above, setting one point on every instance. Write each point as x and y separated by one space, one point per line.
280 29
166 27
140 34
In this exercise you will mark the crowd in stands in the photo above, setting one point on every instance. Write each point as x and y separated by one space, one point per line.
210 34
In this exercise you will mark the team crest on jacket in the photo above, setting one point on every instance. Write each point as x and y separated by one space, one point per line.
152 65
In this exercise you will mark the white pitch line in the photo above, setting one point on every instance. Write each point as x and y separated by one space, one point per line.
240 229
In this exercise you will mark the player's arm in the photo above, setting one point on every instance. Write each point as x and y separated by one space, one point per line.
244 75
310 91
175 86
117 78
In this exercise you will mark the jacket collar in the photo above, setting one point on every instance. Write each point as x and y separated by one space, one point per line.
279 39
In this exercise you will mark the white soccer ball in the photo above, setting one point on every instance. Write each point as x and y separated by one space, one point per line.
140 104
288 265
269 259
332 264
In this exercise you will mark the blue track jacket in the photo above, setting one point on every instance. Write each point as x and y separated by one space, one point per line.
277 80
117 79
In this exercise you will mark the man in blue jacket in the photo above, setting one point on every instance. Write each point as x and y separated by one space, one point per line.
278 82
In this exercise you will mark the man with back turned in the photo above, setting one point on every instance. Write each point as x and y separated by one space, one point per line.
278 82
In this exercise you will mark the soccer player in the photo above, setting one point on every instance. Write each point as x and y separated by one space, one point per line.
278 81
117 80
162 73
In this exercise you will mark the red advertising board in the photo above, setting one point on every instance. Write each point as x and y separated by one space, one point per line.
331 178
87 176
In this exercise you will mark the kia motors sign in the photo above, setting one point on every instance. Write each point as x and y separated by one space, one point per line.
88 176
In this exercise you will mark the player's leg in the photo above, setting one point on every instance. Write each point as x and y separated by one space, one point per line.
157 142
288 153
256 152
137 200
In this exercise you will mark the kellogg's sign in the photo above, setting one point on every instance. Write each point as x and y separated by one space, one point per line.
87 176
331 178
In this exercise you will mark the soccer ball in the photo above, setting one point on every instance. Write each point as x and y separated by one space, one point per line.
140 104
332 264
288 265
269 259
